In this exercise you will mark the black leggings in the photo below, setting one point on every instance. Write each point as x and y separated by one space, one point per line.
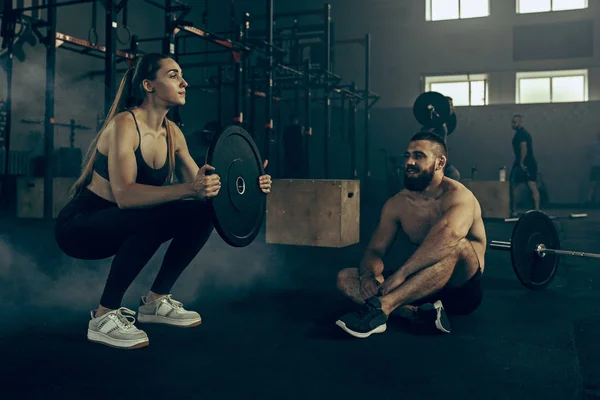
92 228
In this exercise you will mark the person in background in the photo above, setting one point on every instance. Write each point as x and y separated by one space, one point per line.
524 169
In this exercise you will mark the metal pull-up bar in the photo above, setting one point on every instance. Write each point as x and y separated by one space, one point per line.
54 5
64 38
292 14
213 38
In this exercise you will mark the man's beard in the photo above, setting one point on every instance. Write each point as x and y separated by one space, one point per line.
419 182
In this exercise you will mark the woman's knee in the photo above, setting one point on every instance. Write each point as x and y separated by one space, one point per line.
190 208
189 216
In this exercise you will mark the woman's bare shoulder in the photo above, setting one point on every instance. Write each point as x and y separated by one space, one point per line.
121 128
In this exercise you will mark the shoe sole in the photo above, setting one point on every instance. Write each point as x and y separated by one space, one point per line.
158 319
440 327
379 329
435 307
438 323
97 337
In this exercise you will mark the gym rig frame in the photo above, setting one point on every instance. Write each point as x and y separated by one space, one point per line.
242 42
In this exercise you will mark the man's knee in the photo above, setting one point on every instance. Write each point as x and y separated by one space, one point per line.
346 278
532 186
466 262
467 255
463 248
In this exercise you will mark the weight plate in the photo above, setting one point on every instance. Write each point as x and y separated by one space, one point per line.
431 109
532 229
239 208
451 124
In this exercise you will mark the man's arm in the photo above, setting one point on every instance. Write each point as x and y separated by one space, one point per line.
444 236
523 152
372 262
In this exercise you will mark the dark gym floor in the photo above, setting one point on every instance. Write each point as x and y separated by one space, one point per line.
268 328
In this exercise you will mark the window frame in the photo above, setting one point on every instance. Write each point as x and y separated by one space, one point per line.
551 75
429 12
461 78
518 6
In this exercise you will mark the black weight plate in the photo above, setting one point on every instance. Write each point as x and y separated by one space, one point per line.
451 124
239 208
431 109
532 229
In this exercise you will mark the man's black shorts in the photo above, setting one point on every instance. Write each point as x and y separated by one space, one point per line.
457 301
522 176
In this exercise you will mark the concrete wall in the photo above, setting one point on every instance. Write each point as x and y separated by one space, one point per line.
406 47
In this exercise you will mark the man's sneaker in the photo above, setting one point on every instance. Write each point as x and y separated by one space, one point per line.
115 329
433 317
165 310
366 320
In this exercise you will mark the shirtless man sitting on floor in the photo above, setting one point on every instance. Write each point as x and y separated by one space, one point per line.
443 219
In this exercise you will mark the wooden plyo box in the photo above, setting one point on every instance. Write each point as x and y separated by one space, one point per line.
319 213
493 196
30 196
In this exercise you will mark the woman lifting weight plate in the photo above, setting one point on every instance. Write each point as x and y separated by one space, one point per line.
126 203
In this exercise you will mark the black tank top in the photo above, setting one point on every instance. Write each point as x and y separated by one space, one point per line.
146 175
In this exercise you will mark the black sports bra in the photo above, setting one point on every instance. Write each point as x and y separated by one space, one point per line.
146 175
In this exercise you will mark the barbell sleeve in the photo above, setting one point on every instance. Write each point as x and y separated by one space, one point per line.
500 245
578 216
543 251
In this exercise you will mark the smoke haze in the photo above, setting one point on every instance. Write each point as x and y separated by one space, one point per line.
36 282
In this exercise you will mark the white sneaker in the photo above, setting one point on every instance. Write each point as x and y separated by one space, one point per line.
165 310
117 330
434 315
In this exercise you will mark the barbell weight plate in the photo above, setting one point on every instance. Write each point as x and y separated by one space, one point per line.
532 229
239 208
451 123
431 109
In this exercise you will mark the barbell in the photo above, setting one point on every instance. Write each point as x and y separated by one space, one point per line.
552 217
535 250
432 110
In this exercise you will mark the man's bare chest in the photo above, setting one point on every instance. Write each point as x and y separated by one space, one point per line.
418 221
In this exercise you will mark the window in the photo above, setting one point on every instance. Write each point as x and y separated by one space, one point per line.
535 6
552 87
465 90
438 10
